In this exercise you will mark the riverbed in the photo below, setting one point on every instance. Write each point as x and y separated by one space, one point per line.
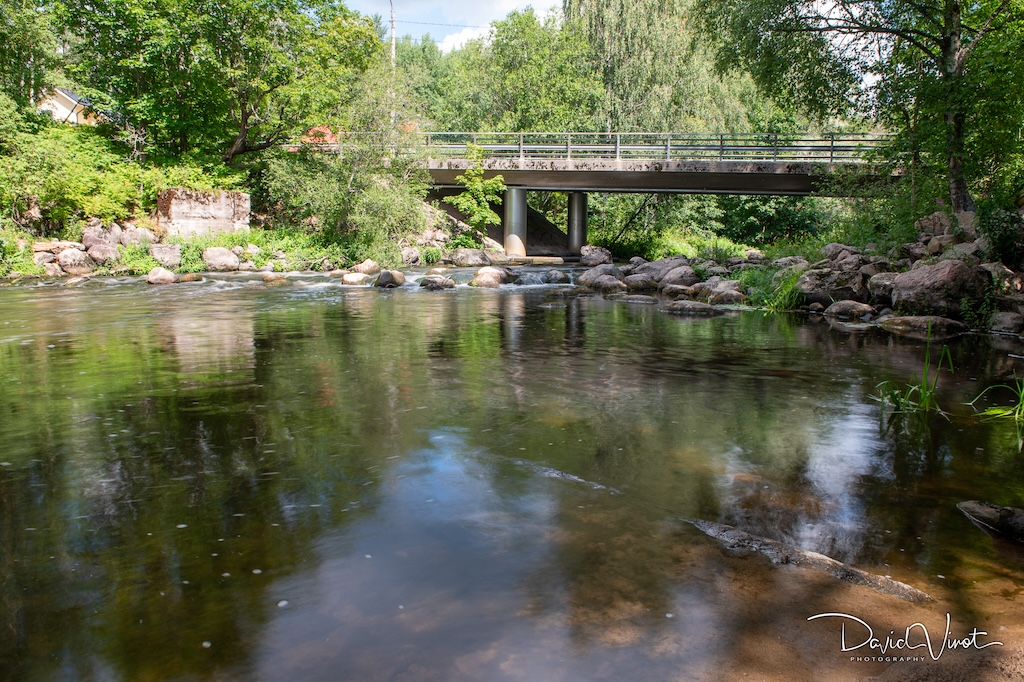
234 481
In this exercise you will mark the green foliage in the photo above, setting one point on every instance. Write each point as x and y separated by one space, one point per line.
785 294
771 288
135 259
12 258
430 254
476 200
1014 411
63 173
227 78
977 312
28 51
1004 230
764 220
466 240
918 396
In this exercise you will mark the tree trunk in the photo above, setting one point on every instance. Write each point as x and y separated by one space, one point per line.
953 57
959 194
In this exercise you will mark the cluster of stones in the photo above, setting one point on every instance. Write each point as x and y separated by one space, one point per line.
928 281
97 248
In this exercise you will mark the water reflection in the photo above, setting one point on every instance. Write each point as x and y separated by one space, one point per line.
324 482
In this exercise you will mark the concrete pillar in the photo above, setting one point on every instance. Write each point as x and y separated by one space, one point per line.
515 221
577 221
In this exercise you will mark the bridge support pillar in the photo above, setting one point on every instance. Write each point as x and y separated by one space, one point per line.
515 221
577 221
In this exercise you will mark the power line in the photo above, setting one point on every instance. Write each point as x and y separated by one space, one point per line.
428 23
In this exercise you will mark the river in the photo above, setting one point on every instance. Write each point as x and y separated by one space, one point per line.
232 481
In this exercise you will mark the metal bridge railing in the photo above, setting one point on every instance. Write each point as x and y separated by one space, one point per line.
837 148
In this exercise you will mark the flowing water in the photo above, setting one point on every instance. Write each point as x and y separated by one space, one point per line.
231 481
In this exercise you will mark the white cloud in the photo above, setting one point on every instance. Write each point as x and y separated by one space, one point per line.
454 41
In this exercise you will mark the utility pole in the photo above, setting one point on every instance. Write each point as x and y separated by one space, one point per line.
392 34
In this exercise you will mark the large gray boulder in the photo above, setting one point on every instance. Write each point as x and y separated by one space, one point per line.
367 267
880 286
608 284
219 259
594 255
437 283
138 235
641 283
95 234
75 262
492 277
167 255
468 258
104 253
389 279
938 289
683 275
659 268
827 286
591 275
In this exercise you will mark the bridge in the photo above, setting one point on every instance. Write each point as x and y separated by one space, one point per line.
679 163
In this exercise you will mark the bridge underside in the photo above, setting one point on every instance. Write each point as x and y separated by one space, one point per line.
579 176
681 177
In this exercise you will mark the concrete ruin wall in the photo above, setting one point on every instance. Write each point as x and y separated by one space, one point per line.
185 212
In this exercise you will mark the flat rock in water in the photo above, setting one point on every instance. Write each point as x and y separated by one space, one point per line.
161 276
780 553
637 298
924 327
694 308
1007 520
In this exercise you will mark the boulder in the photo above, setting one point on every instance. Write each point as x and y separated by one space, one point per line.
590 276
56 247
608 284
53 270
880 286
437 283
849 310
924 327
253 250
969 252
659 268
137 235
43 257
1007 323
555 277
274 278
410 255
912 250
938 289
95 234
827 286
727 296
219 259
468 258
692 308
941 242
104 253
389 279
167 255
367 267
637 299
832 251
594 255
161 276
640 283
935 224
355 279
684 275
247 266
491 277
1005 280
75 262
637 261
677 290
791 261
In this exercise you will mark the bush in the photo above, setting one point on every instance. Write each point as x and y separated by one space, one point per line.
1004 231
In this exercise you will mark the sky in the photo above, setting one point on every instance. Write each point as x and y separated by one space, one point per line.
462 19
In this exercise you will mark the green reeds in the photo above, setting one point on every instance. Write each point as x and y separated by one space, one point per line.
919 395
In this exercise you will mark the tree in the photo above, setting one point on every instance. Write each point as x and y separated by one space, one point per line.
926 57
28 51
476 200
231 77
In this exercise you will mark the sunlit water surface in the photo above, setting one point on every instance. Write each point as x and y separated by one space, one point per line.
225 480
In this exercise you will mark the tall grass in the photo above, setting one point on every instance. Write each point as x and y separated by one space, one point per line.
918 396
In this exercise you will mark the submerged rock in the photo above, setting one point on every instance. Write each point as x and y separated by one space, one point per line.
924 326
779 553
355 279
1007 520
693 308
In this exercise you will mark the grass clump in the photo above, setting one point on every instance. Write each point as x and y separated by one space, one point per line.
918 396
1014 411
